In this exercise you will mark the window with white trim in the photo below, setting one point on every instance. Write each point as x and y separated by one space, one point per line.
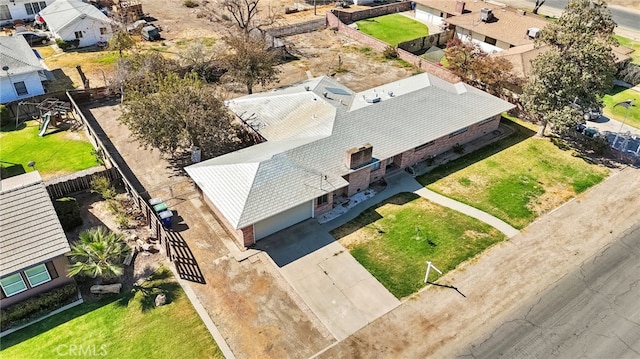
103 31
13 284
37 275
5 14
35 7
323 199
21 88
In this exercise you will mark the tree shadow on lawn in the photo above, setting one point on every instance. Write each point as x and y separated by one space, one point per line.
520 134
50 323
160 282
369 216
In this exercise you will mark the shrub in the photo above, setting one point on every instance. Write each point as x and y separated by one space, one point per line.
190 3
36 306
122 220
458 148
629 73
68 212
103 186
5 117
66 45
390 52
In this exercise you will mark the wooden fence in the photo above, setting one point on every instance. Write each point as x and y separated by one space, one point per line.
154 223
79 181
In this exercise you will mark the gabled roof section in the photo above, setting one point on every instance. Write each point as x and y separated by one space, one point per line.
17 55
294 169
31 231
63 13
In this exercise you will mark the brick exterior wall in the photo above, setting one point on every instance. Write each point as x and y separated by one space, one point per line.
247 235
348 17
445 143
60 267
379 173
237 234
323 208
358 181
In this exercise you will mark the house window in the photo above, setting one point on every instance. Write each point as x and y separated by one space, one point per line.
78 34
35 7
462 130
489 40
13 284
37 275
103 30
375 166
323 199
4 12
421 147
21 88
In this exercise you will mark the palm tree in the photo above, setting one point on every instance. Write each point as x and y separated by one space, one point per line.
98 253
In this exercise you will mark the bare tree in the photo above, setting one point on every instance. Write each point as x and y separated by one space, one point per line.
539 3
250 60
246 15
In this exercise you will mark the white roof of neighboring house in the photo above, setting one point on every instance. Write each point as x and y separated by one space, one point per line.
306 159
31 231
17 55
63 13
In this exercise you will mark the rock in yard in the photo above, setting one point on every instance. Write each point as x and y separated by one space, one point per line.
161 299
108 288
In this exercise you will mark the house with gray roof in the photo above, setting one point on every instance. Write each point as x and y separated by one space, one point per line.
325 142
21 73
76 20
33 243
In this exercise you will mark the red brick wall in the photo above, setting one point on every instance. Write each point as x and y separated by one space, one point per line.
379 173
60 265
247 235
358 181
445 143
235 233
323 208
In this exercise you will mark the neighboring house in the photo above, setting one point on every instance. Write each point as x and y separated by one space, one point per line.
22 10
325 142
522 56
73 19
33 244
21 73
504 28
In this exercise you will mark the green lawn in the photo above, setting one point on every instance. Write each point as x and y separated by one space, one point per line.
394 239
516 179
55 154
617 95
632 44
393 28
125 326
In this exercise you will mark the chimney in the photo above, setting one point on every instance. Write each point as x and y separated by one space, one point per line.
460 7
359 156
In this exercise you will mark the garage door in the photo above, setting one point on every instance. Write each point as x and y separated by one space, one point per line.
282 220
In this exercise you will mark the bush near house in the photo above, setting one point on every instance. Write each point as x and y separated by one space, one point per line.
37 306
68 212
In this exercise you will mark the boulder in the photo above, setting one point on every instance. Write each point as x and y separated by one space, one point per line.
161 299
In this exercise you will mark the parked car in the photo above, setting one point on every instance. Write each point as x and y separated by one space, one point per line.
150 33
34 38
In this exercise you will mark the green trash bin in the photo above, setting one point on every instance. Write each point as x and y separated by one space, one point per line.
160 207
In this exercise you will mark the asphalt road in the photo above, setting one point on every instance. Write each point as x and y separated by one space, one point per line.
593 312
623 17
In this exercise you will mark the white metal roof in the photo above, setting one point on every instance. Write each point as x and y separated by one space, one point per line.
30 230
63 13
290 169
17 56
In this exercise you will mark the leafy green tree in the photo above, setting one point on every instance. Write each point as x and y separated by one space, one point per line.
98 253
250 60
577 69
176 113
121 40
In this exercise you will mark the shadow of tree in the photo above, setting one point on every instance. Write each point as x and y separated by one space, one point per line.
160 282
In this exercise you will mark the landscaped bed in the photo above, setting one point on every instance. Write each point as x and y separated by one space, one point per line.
120 326
55 154
517 179
394 239
393 29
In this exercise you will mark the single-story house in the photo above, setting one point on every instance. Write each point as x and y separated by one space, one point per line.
21 73
325 142
73 19
33 244
490 24
522 56
23 10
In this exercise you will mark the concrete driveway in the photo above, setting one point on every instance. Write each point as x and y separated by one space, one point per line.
341 293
